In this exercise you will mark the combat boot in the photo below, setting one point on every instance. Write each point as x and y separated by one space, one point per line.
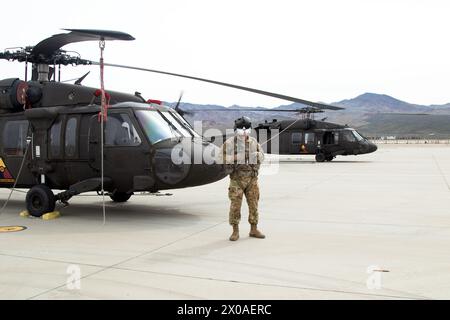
235 235
254 232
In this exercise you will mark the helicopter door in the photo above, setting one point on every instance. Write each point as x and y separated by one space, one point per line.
126 154
330 142
309 144
295 143
14 144
329 138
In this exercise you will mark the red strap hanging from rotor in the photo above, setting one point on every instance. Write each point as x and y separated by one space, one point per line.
105 98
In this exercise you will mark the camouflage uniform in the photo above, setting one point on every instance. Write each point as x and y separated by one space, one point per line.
243 161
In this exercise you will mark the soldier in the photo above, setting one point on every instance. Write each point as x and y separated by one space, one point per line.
242 155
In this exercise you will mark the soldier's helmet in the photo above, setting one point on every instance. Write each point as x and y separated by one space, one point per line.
242 122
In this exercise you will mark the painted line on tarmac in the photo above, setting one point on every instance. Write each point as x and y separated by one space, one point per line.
114 266
441 172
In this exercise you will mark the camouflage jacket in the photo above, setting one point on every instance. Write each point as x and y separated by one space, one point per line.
241 157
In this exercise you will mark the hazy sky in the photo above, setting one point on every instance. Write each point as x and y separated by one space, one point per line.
320 50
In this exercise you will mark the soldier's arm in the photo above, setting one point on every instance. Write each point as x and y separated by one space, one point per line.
260 154
227 152
256 151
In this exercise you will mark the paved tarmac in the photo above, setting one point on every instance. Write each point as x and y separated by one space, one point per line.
328 225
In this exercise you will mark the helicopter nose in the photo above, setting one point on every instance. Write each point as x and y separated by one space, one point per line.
204 168
369 147
372 147
187 164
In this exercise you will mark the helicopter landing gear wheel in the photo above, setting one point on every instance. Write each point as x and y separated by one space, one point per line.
320 157
40 199
120 196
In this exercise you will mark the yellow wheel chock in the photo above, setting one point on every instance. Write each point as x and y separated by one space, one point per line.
46 216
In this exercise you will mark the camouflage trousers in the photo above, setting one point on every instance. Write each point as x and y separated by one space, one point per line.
240 186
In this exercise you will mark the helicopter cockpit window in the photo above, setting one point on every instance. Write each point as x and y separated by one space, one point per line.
309 137
70 141
296 138
55 139
15 137
336 137
348 136
120 131
357 135
155 127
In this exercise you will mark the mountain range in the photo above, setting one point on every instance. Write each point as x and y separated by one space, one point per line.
372 114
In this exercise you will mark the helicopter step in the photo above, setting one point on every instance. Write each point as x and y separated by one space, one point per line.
82 186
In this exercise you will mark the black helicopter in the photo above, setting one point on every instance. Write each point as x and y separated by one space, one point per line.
325 140
305 135
52 138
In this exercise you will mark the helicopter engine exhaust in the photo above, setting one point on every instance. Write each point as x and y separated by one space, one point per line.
12 94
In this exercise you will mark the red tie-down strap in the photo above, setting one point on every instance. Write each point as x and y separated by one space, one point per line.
98 93
105 100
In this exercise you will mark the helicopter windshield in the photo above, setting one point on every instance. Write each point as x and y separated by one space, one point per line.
185 124
183 130
357 135
156 127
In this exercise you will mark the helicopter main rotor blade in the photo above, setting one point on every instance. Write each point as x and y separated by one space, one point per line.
49 46
405 114
258 110
317 105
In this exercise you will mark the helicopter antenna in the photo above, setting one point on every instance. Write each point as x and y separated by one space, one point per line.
26 69
78 82
177 106
180 111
